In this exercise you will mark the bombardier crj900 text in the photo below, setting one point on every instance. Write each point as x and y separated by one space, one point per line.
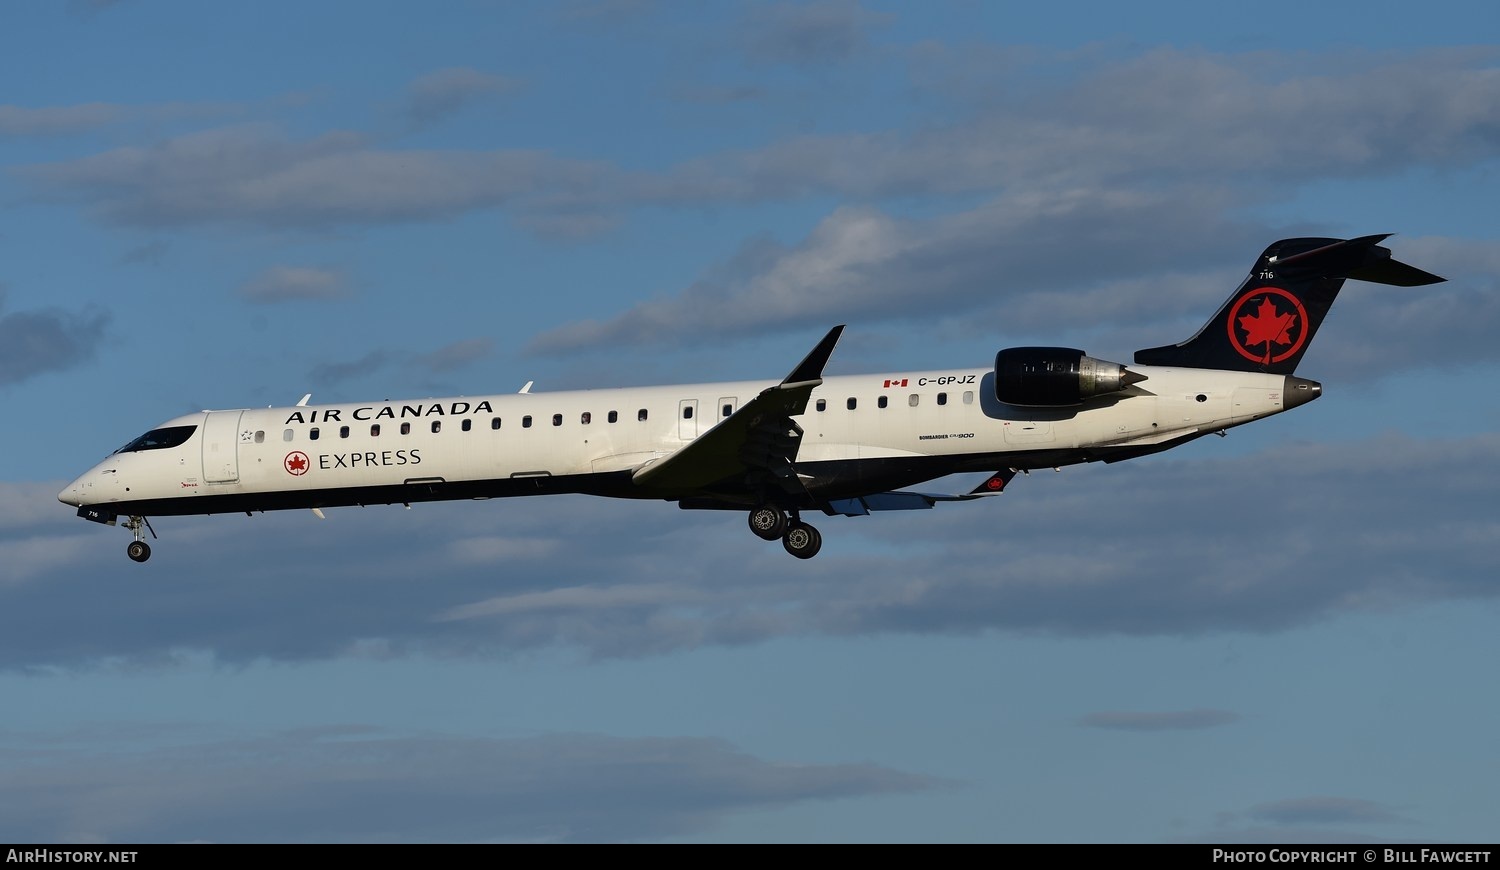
839 445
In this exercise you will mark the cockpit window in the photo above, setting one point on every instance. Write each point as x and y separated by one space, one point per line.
159 439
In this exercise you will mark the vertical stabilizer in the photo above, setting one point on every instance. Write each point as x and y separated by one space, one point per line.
1268 323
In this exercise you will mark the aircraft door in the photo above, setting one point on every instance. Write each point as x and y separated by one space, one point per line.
221 444
1028 431
687 419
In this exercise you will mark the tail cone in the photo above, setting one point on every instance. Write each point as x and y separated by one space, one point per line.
1299 391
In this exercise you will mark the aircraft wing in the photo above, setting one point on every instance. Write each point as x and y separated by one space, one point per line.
760 438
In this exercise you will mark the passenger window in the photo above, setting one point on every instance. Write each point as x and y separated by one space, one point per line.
728 410
822 405
640 416
913 399
437 426
374 430
586 418
260 436
968 397
614 416
883 401
526 422
851 403
687 412
466 425
343 431
557 419
286 435
312 434
942 398
494 422
405 428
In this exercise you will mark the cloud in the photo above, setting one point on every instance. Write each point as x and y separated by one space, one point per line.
353 784
337 372
1323 811
720 95
445 92
252 174
90 7
449 357
1013 255
150 253
1176 720
294 283
1295 535
822 31
86 117
1289 835
1167 117
456 355
46 340
1124 270
57 120
603 12
1165 123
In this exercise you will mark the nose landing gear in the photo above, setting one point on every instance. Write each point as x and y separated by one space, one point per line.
138 550
798 538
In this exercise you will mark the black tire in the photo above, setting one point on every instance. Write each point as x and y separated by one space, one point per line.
768 523
138 551
802 540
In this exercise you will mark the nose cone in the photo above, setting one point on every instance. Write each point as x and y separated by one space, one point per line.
72 494
1299 391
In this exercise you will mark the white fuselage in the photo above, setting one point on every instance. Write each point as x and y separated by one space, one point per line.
920 425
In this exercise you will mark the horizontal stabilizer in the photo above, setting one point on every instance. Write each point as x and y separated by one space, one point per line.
1395 273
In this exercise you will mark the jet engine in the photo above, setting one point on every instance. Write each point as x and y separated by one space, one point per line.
1051 377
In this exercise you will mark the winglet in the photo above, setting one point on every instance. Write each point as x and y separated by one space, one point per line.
303 402
995 483
810 370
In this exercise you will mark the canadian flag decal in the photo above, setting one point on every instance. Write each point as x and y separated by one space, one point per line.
895 382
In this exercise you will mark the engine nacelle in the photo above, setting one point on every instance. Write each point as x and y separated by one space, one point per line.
1052 377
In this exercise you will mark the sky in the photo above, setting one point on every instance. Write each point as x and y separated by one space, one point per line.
1284 635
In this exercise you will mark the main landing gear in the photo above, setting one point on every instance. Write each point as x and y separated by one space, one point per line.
138 550
800 539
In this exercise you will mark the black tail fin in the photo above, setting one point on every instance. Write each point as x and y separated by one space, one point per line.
1270 320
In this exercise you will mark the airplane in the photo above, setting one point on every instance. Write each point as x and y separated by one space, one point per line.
841 445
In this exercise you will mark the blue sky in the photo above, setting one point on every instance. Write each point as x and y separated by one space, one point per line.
1283 635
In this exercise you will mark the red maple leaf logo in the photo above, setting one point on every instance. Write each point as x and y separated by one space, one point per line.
1268 326
296 463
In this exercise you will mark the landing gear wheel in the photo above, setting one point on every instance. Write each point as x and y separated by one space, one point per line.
802 540
139 550
768 523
